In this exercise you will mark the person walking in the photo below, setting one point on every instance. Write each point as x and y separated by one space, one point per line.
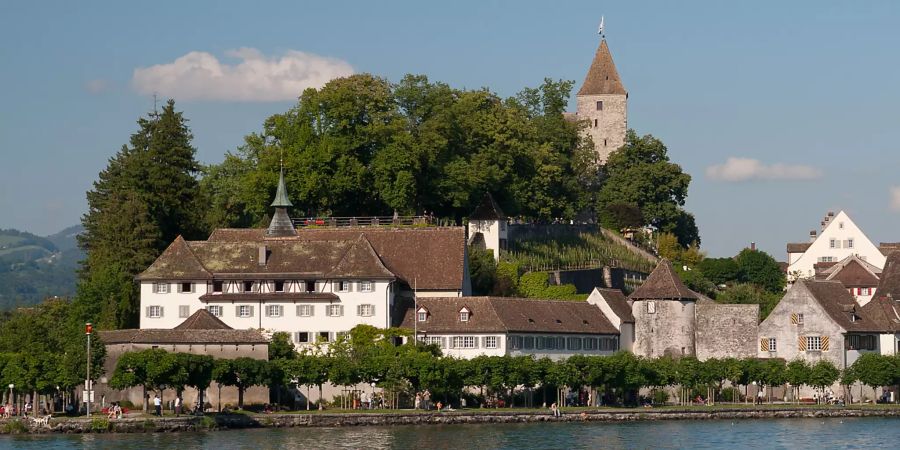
177 405
157 404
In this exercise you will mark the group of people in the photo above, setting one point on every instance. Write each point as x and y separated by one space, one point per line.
9 410
176 405
114 411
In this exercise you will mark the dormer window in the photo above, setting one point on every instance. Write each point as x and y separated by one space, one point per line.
279 285
310 286
464 314
248 286
217 286
422 315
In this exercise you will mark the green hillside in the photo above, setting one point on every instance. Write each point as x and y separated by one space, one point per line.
577 251
34 267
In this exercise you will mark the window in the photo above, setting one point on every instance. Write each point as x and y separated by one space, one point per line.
850 243
590 343
310 286
334 310
773 345
464 342
540 343
826 259
301 337
550 343
274 310
215 310
422 314
186 287
833 243
217 286
861 342
154 312
865 291
343 286
841 225
365 286
515 342
341 335
799 318
595 123
184 311
651 307
490 342
161 288
574 343
248 286
560 343
599 106
365 310
305 310
528 343
245 311
279 285
434 340
813 343
323 336
464 315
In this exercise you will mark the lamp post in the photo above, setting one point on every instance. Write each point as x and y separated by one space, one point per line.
88 329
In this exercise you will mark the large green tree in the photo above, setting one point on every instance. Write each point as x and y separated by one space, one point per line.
146 196
640 175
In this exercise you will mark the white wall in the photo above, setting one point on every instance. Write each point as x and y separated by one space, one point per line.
492 230
170 303
840 228
888 343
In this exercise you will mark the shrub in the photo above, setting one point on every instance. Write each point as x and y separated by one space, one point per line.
14 427
729 394
660 397
100 425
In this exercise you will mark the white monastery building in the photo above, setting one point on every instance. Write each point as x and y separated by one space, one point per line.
840 238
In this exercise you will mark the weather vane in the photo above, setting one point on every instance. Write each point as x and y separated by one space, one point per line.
600 30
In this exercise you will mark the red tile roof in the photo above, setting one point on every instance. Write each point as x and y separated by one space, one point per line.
663 284
602 77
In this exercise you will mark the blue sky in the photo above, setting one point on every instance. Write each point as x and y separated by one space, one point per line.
802 95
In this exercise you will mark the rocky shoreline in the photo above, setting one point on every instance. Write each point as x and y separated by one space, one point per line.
243 421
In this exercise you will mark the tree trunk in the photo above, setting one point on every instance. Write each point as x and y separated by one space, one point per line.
240 397
146 399
307 397
320 397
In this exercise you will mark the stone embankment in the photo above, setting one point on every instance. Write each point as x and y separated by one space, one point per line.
239 421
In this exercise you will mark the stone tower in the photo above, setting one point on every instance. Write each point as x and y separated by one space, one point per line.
603 101
663 310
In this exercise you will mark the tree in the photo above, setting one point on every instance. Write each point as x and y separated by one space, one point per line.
241 373
147 195
719 270
640 173
797 374
153 369
750 294
482 270
822 374
618 216
280 346
759 268
199 373
875 370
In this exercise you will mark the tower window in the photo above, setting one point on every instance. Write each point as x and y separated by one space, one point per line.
595 123
604 142
599 106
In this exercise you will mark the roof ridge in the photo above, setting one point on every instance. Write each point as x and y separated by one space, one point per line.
194 255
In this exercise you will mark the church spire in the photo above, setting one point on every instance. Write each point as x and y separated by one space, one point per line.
602 77
281 224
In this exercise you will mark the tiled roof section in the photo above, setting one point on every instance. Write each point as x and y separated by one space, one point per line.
487 210
284 256
663 284
176 261
602 77
173 336
853 272
430 257
890 277
887 248
840 305
202 320
360 261
884 311
268 296
798 247
507 314
618 303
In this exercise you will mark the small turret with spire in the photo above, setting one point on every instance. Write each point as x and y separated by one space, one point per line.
281 224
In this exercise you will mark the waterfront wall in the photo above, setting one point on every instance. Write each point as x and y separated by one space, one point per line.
240 421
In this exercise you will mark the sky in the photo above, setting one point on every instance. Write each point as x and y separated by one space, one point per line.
780 111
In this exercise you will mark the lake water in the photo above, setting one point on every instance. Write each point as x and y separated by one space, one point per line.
762 433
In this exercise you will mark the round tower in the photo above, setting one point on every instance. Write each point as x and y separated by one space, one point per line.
663 309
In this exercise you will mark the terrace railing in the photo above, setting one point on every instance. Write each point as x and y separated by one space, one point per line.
363 221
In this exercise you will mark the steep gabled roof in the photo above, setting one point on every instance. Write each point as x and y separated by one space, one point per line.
798 247
840 305
202 320
618 303
853 272
176 261
663 284
602 77
488 209
360 261
508 315
889 285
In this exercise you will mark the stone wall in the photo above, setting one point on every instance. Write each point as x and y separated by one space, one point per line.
524 232
607 127
585 280
726 330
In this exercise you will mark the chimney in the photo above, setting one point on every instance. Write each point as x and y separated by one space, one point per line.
753 246
263 253
812 235
830 213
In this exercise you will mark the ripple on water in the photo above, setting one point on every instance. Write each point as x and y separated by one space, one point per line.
816 434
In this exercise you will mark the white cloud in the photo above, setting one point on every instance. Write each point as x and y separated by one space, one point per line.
746 169
97 86
254 78
895 198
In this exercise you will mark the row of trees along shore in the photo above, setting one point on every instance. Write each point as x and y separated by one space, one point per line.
368 355
362 145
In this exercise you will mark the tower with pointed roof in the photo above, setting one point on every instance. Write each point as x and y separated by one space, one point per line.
281 224
487 226
664 315
602 102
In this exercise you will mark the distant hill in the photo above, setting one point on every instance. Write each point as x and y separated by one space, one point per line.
34 267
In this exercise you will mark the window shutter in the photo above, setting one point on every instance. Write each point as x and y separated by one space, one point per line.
372 310
476 342
824 343
358 310
298 310
483 341
312 310
251 311
161 311
794 319
237 311
146 311
340 310
764 345
268 310
801 343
